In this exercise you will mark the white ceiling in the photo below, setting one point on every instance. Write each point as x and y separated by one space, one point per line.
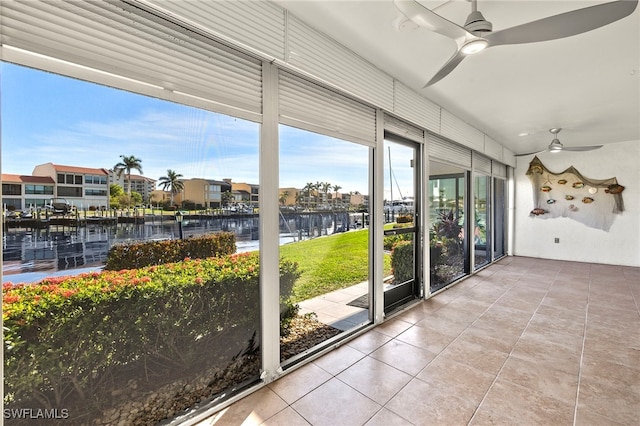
589 84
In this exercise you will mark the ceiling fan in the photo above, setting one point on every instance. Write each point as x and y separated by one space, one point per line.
477 35
556 145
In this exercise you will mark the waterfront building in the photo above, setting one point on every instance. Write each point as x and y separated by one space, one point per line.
159 197
82 187
140 184
247 193
289 197
24 191
356 199
203 193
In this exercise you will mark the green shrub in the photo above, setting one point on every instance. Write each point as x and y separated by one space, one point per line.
141 254
391 240
67 338
402 261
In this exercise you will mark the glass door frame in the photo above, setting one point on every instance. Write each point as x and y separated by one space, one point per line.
463 186
474 195
413 289
499 218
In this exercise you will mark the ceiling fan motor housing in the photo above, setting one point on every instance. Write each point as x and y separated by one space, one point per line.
476 24
555 145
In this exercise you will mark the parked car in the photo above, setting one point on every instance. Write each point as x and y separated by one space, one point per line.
58 206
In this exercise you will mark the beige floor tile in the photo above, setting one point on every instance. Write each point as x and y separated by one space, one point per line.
565 303
619 402
393 327
510 404
561 313
449 317
606 372
403 356
542 332
424 338
422 404
339 359
486 292
587 417
496 329
249 411
503 318
300 382
613 317
524 291
336 403
460 379
421 310
614 336
375 379
369 341
548 354
624 353
518 302
286 417
555 324
499 340
467 303
551 383
385 417
445 326
477 352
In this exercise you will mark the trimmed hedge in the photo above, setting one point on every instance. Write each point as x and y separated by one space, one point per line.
67 338
402 261
141 254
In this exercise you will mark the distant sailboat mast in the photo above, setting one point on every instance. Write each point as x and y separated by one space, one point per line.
392 177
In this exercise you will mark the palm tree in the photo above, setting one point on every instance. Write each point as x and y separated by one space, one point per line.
336 188
325 186
172 183
227 198
308 191
283 197
127 164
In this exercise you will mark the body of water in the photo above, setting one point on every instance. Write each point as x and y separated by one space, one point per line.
32 255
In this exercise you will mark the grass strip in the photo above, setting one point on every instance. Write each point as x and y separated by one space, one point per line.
330 263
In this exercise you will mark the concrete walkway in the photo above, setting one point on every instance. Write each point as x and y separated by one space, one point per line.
333 309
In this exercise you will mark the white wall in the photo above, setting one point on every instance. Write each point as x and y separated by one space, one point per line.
534 237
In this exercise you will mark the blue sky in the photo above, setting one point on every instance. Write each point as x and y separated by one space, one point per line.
49 118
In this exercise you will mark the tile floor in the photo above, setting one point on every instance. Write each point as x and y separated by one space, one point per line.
523 342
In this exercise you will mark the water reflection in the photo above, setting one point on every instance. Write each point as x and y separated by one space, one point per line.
32 254
65 248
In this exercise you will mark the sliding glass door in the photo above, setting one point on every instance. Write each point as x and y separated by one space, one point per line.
401 230
448 246
482 221
499 221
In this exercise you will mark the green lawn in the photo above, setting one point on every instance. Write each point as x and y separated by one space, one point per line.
330 263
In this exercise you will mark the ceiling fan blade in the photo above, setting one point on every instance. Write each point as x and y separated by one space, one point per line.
581 148
565 24
531 153
447 68
431 20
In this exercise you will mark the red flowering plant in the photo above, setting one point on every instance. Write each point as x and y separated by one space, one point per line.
66 338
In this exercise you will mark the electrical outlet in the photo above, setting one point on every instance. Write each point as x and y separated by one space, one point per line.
556 240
